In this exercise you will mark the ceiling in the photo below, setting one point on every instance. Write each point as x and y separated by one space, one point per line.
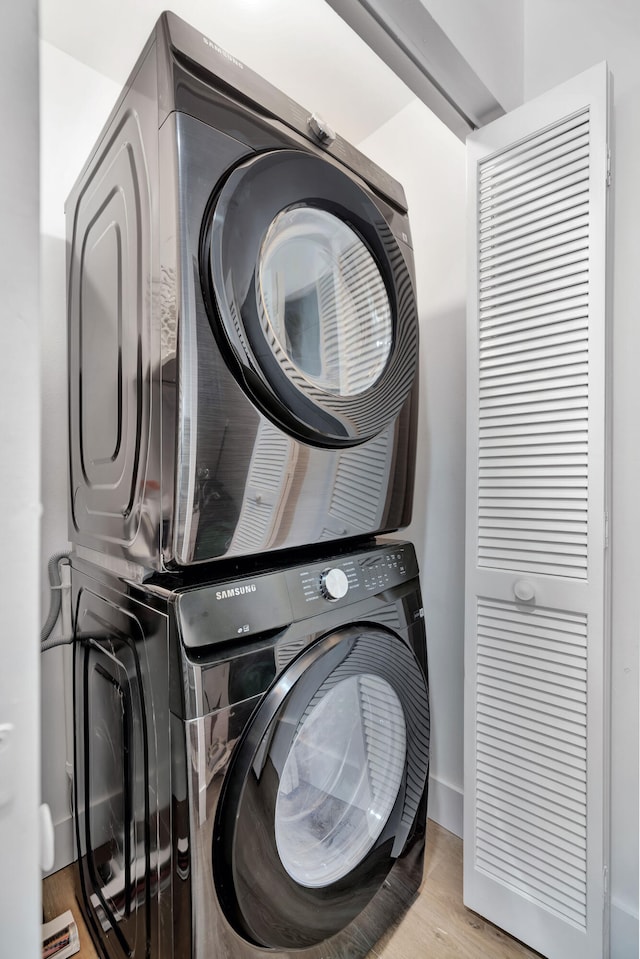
301 46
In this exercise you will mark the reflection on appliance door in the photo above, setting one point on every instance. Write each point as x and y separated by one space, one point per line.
340 780
324 302
267 492
361 477
346 498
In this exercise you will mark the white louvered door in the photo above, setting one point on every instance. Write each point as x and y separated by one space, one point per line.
536 574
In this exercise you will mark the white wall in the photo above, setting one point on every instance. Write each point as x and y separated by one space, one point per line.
304 48
489 35
562 38
74 101
429 161
20 894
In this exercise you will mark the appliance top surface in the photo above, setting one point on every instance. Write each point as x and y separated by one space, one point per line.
243 605
191 54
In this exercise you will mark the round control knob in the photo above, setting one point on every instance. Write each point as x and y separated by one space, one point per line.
333 584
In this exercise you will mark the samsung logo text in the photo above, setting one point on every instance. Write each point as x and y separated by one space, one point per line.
236 591
223 53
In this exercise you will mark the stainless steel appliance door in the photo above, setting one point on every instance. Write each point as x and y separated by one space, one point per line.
113 794
324 790
122 797
311 297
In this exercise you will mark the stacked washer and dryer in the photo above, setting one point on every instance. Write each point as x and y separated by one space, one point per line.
250 686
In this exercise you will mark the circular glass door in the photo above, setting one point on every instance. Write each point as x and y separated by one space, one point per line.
311 298
324 301
340 780
324 790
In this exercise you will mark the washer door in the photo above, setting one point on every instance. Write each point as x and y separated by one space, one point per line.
324 791
112 791
310 295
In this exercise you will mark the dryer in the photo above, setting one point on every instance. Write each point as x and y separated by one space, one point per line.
243 336
251 758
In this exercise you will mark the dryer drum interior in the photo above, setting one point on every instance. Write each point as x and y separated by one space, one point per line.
310 295
324 790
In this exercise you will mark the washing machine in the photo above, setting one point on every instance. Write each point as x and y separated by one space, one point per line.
243 337
251 757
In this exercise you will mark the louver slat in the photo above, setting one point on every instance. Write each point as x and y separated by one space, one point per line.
535 825
535 204
524 325
546 361
564 169
539 247
496 356
526 749
552 219
519 717
556 272
568 811
518 157
531 261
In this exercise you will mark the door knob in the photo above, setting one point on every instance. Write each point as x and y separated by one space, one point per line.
524 591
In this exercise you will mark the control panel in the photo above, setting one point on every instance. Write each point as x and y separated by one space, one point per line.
383 570
352 577
239 608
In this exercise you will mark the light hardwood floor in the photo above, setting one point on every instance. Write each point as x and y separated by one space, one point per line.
436 926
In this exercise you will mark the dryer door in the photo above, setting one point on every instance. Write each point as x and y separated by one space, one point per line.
308 291
325 791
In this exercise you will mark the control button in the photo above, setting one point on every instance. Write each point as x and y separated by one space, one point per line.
333 584
321 130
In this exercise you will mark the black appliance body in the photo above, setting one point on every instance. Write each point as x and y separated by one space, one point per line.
243 335
251 758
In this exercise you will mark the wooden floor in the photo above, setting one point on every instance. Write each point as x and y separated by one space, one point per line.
437 925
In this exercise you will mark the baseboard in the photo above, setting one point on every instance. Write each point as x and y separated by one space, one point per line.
445 805
64 839
624 932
